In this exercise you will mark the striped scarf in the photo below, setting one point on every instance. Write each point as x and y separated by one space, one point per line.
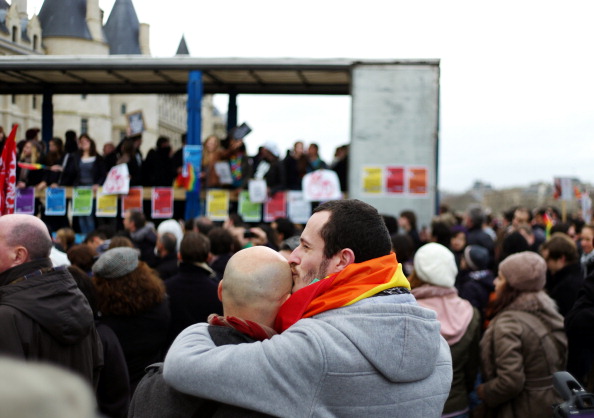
257 331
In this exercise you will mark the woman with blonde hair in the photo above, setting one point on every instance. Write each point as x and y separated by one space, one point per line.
131 300
211 155
524 344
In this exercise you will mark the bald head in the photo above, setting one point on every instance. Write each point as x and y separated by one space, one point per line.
22 238
257 281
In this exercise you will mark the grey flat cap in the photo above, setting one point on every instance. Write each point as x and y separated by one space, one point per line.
116 262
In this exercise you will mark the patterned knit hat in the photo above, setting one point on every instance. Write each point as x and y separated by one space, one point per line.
116 262
524 271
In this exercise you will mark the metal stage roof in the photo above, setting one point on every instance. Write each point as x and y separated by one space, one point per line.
126 74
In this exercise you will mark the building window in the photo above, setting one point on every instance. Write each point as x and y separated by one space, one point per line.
35 40
84 126
122 135
34 102
123 109
83 96
15 33
13 99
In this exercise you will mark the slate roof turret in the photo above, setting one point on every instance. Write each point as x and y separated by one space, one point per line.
122 29
66 18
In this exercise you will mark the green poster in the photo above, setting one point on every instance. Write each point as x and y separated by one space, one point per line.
250 212
82 201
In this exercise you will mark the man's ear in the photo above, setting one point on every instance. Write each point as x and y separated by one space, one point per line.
21 255
220 291
343 258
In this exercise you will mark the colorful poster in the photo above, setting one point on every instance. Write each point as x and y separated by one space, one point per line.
298 209
82 201
162 203
275 207
321 185
55 201
107 205
395 179
118 180
217 204
418 181
25 201
133 200
193 154
372 180
249 211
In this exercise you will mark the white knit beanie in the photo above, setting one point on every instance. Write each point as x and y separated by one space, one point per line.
436 265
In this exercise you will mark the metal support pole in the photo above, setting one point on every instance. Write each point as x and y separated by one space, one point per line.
232 112
195 91
47 117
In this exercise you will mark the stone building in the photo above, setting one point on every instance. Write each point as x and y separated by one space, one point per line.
75 27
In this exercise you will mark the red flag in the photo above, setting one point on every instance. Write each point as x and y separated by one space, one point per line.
8 174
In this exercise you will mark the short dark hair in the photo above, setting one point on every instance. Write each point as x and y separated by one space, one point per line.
194 247
285 226
411 217
137 218
356 225
221 240
560 245
169 242
162 140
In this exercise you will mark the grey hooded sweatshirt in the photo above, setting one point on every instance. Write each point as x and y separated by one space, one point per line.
44 316
375 358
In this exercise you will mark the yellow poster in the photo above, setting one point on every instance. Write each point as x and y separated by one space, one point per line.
107 205
217 204
372 179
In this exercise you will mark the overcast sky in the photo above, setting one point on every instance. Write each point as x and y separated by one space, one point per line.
517 80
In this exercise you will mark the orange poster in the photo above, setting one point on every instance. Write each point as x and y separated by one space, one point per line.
133 200
417 181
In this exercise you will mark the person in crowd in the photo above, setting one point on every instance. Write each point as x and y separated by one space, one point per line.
295 165
43 315
458 242
579 325
407 221
120 241
404 248
340 334
475 281
54 160
141 233
239 162
257 281
513 243
524 343
166 263
271 169
222 247
158 169
82 256
283 228
441 232
113 388
193 291
565 277
127 153
96 240
65 238
204 224
131 300
26 177
314 162
474 221
340 165
432 284
288 246
391 223
108 148
211 155
31 134
587 244
84 168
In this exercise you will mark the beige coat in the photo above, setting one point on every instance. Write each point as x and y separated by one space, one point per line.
521 349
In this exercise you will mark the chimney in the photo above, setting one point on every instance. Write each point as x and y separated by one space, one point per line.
144 38
22 9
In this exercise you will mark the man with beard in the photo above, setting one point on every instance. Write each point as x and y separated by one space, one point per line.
354 342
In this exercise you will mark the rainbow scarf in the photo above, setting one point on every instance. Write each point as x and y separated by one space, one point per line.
259 332
32 166
187 181
356 282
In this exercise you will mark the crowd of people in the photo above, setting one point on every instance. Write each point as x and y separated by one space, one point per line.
355 313
76 161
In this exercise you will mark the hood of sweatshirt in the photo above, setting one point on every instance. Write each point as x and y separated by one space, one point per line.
389 334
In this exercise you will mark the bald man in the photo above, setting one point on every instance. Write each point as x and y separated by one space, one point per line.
257 281
43 315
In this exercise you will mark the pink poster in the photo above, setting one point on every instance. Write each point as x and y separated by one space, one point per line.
275 207
395 179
